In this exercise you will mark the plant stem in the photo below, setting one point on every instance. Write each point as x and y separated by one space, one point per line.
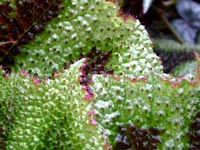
169 3
170 27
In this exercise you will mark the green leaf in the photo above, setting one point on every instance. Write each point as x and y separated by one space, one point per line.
51 114
82 25
173 46
184 69
153 101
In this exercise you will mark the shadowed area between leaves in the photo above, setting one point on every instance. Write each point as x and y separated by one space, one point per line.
19 25
133 137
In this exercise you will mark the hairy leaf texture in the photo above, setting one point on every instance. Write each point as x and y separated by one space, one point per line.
77 109
82 25
61 113
20 21
154 101
7 108
49 114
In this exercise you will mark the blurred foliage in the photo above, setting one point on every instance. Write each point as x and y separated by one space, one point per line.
173 25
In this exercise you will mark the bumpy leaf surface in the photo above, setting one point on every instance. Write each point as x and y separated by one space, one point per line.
82 25
57 114
47 115
19 23
67 112
153 101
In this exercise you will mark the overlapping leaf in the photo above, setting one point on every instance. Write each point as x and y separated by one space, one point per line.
20 21
82 25
149 102
46 114
59 113
56 113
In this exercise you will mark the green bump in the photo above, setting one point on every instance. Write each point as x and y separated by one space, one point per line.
147 102
84 24
51 115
